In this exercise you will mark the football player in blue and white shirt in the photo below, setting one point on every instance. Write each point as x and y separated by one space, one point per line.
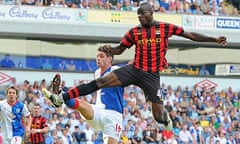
11 113
106 114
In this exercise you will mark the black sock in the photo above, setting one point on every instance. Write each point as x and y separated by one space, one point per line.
81 90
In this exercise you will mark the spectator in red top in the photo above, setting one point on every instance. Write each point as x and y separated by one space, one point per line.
151 44
167 134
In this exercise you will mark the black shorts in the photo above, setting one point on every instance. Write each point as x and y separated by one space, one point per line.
148 82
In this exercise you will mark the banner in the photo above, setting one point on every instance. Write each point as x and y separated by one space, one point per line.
110 17
42 14
204 22
227 69
228 23
127 18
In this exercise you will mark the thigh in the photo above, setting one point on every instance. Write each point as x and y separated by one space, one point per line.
127 75
150 83
109 121
16 140
113 125
85 109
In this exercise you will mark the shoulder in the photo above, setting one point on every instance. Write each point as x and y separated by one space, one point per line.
114 67
3 101
19 104
97 71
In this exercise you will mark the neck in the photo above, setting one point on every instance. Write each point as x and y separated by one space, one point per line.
149 23
103 69
11 102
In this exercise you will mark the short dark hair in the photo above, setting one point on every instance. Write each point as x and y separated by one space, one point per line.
145 6
101 49
12 87
37 104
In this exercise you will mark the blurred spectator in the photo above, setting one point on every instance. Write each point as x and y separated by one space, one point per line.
48 138
67 137
222 137
89 132
185 135
63 65
59 140
148 135
126 6
64 87
205 7
1 138
46 65
167 134
164 4
236 4
7 62
124 138
211 139
71 66
145 111
235 12
203 71
9 2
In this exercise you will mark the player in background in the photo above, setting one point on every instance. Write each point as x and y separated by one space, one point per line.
11 113
106 114
39 126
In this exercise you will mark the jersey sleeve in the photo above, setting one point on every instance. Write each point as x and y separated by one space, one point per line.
128 39
174 30
177 30
25 111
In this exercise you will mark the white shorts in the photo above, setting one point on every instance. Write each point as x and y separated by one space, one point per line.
109 121
13 140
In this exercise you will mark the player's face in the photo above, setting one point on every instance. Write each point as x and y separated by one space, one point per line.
145 15
102 59
11 96
36 110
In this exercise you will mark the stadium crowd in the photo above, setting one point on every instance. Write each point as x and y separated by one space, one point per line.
206 7
200 116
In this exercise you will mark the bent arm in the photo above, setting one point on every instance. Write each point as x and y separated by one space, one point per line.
198 37
203 38
115 50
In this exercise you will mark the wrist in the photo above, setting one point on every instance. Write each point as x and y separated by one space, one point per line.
39 130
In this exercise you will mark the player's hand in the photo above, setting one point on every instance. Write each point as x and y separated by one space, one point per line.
222 40
33 131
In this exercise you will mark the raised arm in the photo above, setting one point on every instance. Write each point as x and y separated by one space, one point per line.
222 40
116 50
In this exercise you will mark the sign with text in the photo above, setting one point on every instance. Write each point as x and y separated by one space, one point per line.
228 23
204 22
227 69
42 14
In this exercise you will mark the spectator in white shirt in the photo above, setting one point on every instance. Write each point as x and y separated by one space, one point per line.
185 135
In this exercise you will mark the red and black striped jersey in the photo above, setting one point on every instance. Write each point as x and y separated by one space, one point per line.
38 123
151 44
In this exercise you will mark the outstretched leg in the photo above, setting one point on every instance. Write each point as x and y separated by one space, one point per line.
110 80
57 99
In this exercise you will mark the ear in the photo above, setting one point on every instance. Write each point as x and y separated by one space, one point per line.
110 59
